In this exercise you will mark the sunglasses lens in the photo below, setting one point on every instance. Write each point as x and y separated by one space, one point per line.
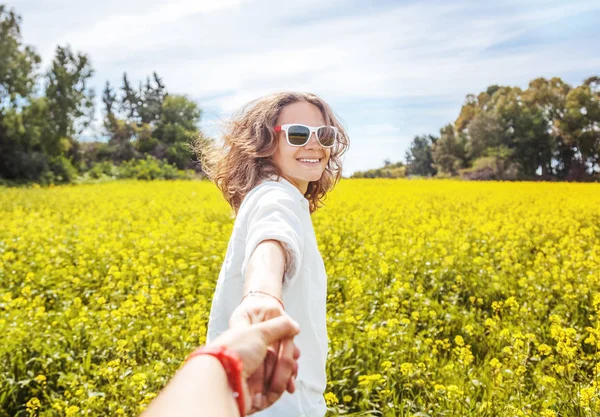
298 135
327 136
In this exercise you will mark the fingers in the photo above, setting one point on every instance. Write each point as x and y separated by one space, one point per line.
291 386
296 352
283 371
270 362
255 387
282 327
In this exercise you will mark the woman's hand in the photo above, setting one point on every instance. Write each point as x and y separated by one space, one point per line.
251 343
277 372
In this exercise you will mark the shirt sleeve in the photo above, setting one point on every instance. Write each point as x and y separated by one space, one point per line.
274 215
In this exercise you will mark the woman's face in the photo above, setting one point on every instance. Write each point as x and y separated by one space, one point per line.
287 157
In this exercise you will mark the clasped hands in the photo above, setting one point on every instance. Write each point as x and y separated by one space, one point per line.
265 380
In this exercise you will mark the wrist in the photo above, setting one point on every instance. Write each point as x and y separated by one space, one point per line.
227 363
259 293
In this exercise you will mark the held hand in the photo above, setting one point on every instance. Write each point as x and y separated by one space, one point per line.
251 344
279 368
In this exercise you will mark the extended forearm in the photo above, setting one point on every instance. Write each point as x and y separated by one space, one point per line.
199 388
265 269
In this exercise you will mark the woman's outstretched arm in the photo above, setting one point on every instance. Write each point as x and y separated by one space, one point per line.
201 387
264 280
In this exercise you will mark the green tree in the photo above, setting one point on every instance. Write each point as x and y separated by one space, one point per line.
450 151
145 104
486 131
177 127
526 132
120 132
473 106
70 99
550 97
23 153
18 62
419 157
152 95
22 120
179 120
581 127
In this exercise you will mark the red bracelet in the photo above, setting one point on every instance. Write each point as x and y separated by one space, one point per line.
233 366
254 292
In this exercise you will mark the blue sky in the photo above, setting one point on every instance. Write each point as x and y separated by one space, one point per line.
389 69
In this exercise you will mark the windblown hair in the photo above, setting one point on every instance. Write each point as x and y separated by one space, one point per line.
249 141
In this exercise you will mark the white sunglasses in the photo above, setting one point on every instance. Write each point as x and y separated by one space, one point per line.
299 135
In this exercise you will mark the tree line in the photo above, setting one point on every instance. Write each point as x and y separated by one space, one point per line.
550 131
44 114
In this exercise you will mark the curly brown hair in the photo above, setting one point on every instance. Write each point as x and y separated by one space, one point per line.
244 158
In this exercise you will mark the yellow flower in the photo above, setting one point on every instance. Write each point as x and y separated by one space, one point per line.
347 398
71 410
331 399
544 349
586 395
40 379
33 404
489 322
495 363
406 368
368 379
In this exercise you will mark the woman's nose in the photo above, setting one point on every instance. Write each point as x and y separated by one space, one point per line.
313 141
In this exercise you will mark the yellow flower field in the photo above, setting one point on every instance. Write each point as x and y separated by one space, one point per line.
445 298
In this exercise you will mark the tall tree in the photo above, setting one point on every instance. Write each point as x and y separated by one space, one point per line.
130 100
581 126
109 99
526 131
177 127
120 132
22 118
18 62
70 99
144 105
152 96
550 97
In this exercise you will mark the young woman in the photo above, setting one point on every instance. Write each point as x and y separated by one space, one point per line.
280 157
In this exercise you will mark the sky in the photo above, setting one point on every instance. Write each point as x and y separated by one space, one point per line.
389 69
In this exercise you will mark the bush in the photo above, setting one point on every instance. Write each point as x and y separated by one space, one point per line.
61 170
150 169
105 168
22 167
490 168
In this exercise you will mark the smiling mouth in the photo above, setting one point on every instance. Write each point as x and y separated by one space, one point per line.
309 160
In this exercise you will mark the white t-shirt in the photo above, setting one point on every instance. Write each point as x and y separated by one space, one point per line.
277 210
